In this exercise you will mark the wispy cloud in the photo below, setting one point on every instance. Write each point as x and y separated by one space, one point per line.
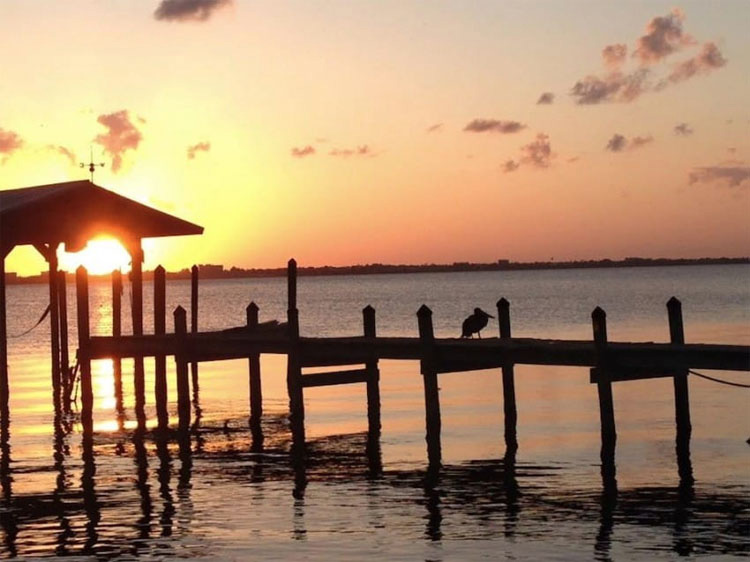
614 55
732 176
683 129
302 151
510 166
708 60
616 86
434 128
200 147
664 36
493 126
619 142
362 150
10 141
538 153
122 135
64 151
546 98
188 10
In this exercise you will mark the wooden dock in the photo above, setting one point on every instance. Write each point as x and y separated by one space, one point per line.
359 355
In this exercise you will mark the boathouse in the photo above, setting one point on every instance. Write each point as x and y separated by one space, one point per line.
72 213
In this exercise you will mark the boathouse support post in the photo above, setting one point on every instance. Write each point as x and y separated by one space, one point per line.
194 326
84 362
136 276
294 369
4 387
62 300
681 397
160 361
256 392
373 376
116 332
49 252
431 391
606 405
509 386
183 382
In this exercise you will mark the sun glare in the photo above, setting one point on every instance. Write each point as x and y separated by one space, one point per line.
99 257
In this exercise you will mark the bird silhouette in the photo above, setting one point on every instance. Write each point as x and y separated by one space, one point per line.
475 323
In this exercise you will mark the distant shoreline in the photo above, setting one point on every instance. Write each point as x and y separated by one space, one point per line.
210 271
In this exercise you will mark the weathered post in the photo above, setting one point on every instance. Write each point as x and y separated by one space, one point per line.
82 308
194 325
183 383
256 393
62 300
51 255
681 397
294 370
431 392
509 386
4 388
136 275
373 376
606 406
160 361
117 331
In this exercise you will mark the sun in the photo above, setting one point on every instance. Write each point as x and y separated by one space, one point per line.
99 257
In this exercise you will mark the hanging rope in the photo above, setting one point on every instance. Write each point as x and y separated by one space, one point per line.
718 380
41 319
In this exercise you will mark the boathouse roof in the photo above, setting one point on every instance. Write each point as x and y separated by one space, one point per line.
76 211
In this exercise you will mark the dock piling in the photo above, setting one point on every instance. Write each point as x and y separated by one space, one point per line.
373 377
82 308
681 397
194 326
431 391
160 361
510 411
256 392
62 300
294 368
606 405
183 383
136 276
116 332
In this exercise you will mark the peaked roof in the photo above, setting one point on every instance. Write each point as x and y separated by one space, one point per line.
74 212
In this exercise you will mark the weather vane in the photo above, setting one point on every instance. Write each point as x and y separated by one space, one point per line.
92 165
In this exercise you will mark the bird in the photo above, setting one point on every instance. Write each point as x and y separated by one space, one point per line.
475 323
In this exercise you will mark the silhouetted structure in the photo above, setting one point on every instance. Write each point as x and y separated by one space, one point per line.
72 213
475 323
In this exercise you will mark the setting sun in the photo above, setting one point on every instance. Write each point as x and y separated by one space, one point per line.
98 257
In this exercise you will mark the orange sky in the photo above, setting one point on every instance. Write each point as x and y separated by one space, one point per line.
392 131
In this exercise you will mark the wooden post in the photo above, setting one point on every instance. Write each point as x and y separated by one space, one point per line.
183 383
54 323
194 326
431 392
160 361
294 371
136 276
681 397
62 299
256 393
373 376
4 388
509 386
117 331
82 307
606 406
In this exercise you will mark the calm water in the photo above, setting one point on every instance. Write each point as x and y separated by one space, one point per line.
218 500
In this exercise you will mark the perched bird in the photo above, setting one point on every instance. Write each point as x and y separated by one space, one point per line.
475 323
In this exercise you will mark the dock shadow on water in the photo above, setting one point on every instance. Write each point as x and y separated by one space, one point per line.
156 495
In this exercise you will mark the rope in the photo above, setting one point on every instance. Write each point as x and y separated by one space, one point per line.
718 380
41 319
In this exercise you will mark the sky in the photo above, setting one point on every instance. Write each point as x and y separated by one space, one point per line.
345 132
